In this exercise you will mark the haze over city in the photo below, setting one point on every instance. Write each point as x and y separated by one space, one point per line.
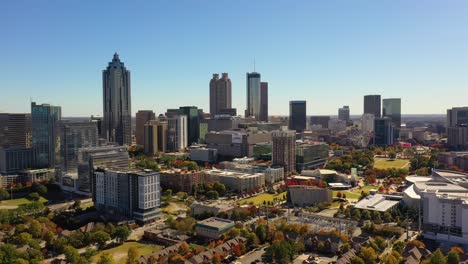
329 53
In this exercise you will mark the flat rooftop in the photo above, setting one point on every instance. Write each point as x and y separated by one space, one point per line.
216 223
376 202
439 187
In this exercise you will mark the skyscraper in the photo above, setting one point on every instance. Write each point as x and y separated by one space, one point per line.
177 133
320 120
457 128
193 122
284 149
343 113
155 135
117 125
44 135
263 101
372 105
383 131
392 109
15 130
253 95
142 117
297 115
73 136
220 94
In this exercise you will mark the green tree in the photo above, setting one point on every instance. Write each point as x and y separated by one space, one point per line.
261 233
368 254
357 215
121 233
357 260
100 237
4 194
71 255
132 255
35 229
437 257
21 261
220 188
212 195
34 196
366 214
41 189
106 258
8 253
453 257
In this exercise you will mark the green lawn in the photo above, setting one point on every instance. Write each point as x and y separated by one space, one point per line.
258 200
383 163
351 195
120 253
20 201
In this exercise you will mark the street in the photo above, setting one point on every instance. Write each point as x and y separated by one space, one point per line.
252 256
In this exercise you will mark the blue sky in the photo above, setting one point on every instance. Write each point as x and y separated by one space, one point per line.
329 53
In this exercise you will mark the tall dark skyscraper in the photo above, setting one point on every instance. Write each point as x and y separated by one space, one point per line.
457 128
392 109
264 101
117 125
383 131
44 133
372 105
343 113
297 115
220 94
253 95
142 117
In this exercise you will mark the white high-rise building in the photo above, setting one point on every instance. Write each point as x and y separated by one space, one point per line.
367 123
177 134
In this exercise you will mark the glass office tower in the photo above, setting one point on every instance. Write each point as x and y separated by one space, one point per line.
253 95
44 135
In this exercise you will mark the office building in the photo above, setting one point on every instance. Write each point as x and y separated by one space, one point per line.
454 158
181 180
457 128
44 135
117 106
336 125
193 122
263 102
223 122
383 131
155 137
297 116
239 182
310 155
319 121
228 111
372 105
15 130
392 109
142 117
303 196
204 155
236 143
135 194
73 136
97 120
220 94
177 133
253 95
343 113
15 159
367 123
213 228
115 157
284 150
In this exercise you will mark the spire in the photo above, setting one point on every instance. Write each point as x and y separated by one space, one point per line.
116 57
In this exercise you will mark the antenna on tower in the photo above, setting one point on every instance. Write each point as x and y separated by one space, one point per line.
254 64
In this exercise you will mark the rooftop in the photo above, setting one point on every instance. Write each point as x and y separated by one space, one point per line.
216 223
376 202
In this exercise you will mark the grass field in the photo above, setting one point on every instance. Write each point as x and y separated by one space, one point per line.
258 200
382 163
20 201
120 253
349 195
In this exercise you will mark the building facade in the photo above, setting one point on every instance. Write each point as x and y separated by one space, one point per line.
181 180
297 116
15 159
220 94
133 194
236 181
44 134
142 117
343 113
372 105
392 108
117 106
457 128
303 196
284 150
383 131
263 102
236 143
319 120
310 155
15 130
177 133
155 135
253 95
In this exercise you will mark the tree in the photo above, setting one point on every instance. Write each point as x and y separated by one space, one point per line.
169 193
71 255
8 253
453 257
387 217
212 194
437 257
132 255
121 233
35 229
392 154
357 215
368 254
100 237
41 189
366 214
339 195
357 260
34 196
261 233
106 258
4 194
416 243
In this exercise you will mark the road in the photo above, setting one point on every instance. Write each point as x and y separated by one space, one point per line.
252 256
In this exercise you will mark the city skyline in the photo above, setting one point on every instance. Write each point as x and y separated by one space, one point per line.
412 51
